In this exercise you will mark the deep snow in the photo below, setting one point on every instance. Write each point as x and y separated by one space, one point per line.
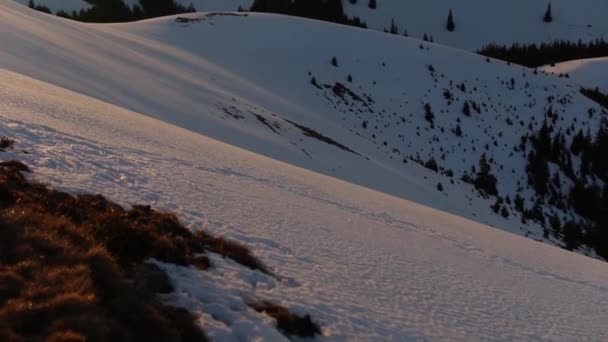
368 266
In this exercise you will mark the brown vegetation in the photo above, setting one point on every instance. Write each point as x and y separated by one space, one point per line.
72 267
287 322
6 143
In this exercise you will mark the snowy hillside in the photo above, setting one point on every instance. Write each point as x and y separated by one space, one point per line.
589 73
367 266
266 83
364 170
478 23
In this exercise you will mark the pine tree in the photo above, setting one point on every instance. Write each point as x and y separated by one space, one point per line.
334 61
458 131
484 181
548 15
429 115
450 24
394 29
40 8
466 109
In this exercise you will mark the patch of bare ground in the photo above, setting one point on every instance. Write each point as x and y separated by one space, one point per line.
73 267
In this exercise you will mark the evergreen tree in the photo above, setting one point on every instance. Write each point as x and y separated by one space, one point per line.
548 15
538 160
534 55
157 8
600 146
103 11
429 115
394 29
31 4
485 181
334 61
450 24
572 235
327 10
466 109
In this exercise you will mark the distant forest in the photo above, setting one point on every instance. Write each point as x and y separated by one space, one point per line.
547 53
111 11
105 11
327 10
532 55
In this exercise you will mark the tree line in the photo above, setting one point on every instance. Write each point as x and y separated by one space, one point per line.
326 10
546 53
105 11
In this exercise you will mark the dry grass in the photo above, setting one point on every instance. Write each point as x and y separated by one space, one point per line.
6 143
71 267
288 323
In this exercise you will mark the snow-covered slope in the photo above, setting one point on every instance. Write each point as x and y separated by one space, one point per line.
589 73
248 80
366 265
478 23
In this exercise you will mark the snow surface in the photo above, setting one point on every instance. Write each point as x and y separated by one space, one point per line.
246 80
478 23
589 73
366 265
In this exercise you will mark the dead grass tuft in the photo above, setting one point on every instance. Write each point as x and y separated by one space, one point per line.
6 143
231 250
288 323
